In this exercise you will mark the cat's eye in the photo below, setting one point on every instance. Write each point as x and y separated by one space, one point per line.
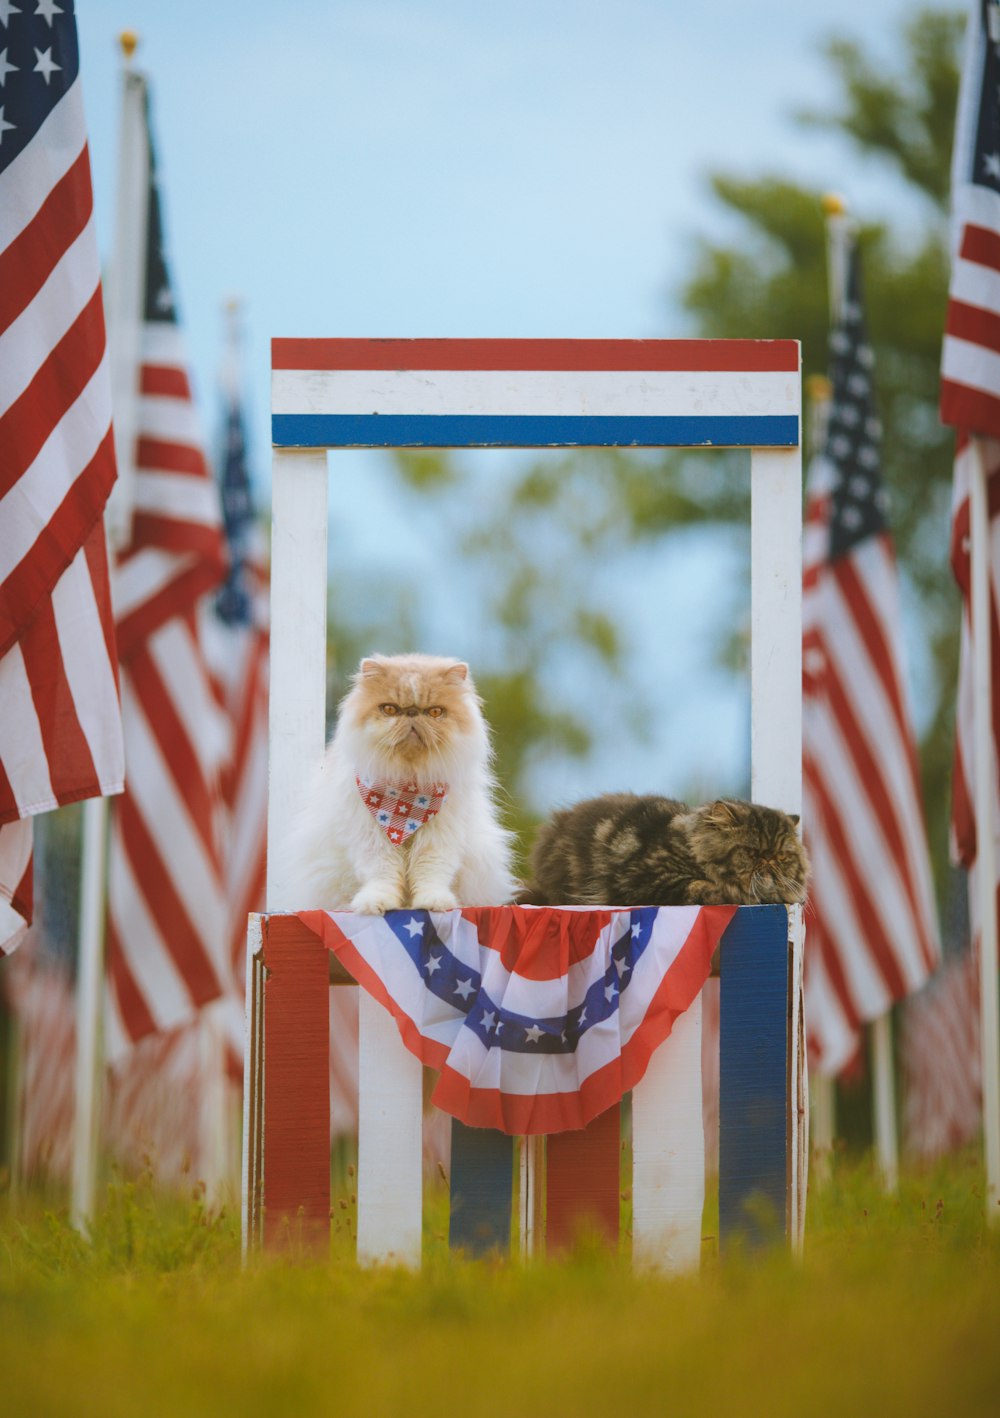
389 709
436 711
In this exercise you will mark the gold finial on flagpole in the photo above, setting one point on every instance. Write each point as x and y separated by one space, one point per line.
833 205
129 40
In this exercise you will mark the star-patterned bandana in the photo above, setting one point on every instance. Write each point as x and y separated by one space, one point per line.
401 808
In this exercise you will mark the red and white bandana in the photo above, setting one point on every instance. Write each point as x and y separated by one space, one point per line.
401 808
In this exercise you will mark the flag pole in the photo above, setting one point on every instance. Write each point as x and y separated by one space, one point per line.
822 1092
126 295
89 979
125 302
985 787
838 230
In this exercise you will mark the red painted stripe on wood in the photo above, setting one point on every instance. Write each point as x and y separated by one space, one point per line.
717 355
583 1181
296 1068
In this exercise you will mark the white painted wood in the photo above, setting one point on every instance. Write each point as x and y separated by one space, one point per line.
884 1101
530 1176
89 999
596 393
125 289
986 860
390 1131
252 1083
668 1153
776 627
297 719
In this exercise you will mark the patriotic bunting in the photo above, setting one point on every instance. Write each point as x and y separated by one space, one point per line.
548 1024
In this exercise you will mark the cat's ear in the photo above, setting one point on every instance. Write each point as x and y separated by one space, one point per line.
367 668
457 673
795 819
722 813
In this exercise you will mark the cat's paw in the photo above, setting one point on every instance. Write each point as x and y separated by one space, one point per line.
435 899
376 899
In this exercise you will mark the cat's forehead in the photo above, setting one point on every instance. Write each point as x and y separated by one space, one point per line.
413 683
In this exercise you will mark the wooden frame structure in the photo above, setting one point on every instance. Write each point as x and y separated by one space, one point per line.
536 393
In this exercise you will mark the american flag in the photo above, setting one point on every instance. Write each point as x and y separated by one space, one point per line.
871 927
547 1030
941 1063
168 924
970 370
60 722
236 643
970 356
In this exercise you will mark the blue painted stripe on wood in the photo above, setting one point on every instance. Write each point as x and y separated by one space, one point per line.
753 1075
482 1180
530 431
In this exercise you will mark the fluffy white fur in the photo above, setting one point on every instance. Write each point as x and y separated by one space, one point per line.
339 857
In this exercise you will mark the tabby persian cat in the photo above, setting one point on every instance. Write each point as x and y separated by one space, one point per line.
401 812
621 849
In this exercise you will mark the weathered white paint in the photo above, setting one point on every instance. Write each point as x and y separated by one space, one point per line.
297 717
668 1152
252 1083
986 860
390 1132
609 393
776 627
530 1176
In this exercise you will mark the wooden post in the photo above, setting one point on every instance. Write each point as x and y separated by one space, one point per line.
482 1180
583 1182
758 1142
295 1070
297 708
668 1152
390 1132
985 791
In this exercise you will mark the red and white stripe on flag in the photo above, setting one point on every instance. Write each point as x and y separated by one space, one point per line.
60 723
963 816
941 1061
870 922
970 353
238 659
538 1020
168 929
970 387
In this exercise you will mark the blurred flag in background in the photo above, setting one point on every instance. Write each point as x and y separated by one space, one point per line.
60 723
168 924
871 929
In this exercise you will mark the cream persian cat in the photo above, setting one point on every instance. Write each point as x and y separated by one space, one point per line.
401 812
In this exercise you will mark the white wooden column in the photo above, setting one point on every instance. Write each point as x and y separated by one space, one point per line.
776 723
390 1136
297 717
776 627
668 1152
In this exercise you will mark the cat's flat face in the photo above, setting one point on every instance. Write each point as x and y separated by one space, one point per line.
758 846
412 709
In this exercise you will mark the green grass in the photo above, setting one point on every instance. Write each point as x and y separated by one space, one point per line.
895 1308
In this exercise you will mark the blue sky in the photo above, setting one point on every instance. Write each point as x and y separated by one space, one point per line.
444 167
